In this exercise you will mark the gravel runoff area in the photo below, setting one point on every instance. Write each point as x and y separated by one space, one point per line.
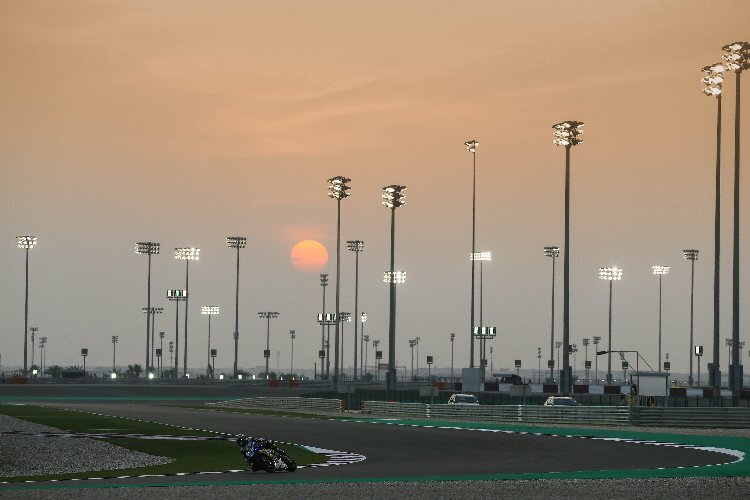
32 455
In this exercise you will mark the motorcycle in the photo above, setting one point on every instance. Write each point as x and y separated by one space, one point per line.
263 454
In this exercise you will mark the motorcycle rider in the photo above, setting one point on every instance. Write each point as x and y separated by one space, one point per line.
246 442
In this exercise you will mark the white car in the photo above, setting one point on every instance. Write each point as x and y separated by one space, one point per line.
463 399
560 401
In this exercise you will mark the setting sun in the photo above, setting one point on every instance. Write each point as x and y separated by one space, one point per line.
309 256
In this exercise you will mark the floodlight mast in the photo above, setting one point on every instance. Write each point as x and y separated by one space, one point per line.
610 274
567 135
187 254
355 246
209 311
393 198
553 252
737 59
147 248
338 189
714 80
236 242
692 256
482 257
26 243
471 147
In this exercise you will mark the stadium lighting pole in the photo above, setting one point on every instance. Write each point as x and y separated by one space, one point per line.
147 248
737 59
375 344
482 257
366 339
236 242
344 317
338 190
692 256
355 246
471 147
187 254
161 346
115 339
586 365
552 252
26 243
660 271
43 352
393 197
566 134
176 296
209 311
268 316
153 311
33 331
610 274
412 343
714 80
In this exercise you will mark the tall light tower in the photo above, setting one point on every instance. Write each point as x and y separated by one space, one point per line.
355 246
596 339
236 242
552 252
43 352
453 340
176 296
322 352
147 248
714 80
737 59
471 147
586 363
660 271
412 343
338 189
481 257
610 274
366 339
115 339
153 311
26 243
269 315
692 256
393 197
344 317
187 254
567 134
209 311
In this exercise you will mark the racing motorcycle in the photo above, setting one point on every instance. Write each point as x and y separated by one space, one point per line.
263 454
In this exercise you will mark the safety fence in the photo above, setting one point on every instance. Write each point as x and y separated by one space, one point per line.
310 405
734 418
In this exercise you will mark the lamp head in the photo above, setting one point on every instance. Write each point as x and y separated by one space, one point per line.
610 273
187 253
236 241
26 241
337 187
552 251
566 133
471 146
393 196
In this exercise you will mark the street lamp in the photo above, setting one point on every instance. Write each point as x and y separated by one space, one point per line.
394 197
209 311
33 331
737 59
268 316
153 311
171 351
567 135
692 256
161 349
236 242
84 353
412 343
148 248
453 339
115 339
355 246
375 344
176 296
187 254
338 190
366 339
660 271
596 340
363 318
471 147
323 284
482 257
553 252
26 243
714 80
698 354
610 274
343 317
291 360
558 345
42 352
539 368
586 362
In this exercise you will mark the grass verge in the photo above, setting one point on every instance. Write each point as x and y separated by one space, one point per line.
189 456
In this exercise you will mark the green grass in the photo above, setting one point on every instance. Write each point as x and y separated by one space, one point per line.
189 456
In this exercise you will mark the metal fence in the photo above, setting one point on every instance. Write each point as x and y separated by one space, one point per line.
310 405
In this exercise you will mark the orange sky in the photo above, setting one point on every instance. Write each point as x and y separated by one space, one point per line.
184 122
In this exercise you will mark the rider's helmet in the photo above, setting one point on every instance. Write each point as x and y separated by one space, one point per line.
241 440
